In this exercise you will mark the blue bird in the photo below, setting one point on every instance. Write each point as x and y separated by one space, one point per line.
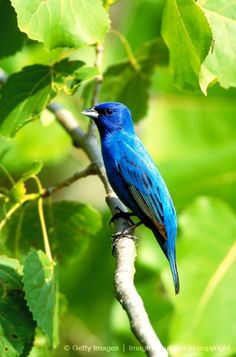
134 176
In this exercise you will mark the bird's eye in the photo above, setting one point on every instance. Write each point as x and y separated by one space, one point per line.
109 111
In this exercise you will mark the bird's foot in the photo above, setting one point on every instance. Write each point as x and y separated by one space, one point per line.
122 214
126 232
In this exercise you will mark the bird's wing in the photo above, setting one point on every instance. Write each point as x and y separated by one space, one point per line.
144 184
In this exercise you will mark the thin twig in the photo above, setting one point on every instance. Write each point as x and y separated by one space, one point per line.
89 170
128 49
9 214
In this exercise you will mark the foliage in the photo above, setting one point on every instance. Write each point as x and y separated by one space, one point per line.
188 36
17 325
48 53
27 93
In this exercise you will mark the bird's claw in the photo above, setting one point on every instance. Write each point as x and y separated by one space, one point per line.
125 233
122 214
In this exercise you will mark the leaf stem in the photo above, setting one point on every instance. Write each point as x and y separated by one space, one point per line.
17 235
130 54
42 220
9 214
44 229
7 174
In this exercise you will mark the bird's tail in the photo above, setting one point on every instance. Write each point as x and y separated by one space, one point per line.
173 267
169 251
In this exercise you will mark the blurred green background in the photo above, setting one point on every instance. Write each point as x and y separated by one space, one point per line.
192 139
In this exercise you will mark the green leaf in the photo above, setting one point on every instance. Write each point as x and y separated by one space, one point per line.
27 93
206 256
16 323
11 38
41 292
69 225
86 73
188 37
41 345
62 24
220 62
128 82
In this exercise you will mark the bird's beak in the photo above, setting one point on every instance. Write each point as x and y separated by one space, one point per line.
91 112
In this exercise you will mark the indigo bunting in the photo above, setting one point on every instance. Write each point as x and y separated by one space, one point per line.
134 176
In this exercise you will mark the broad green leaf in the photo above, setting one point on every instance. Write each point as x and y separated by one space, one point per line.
69 224
11 38
70 74
62 24
27 93
206 78
41 293
188 37
206 255
123 83
87 73
16 323
220 62
128 82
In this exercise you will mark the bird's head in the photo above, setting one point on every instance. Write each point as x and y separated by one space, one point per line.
110 117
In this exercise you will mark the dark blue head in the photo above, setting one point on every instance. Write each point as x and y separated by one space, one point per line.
110 117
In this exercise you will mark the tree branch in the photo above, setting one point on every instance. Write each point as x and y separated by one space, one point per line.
89 170
126 293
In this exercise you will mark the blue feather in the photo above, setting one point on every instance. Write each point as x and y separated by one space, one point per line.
135 178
